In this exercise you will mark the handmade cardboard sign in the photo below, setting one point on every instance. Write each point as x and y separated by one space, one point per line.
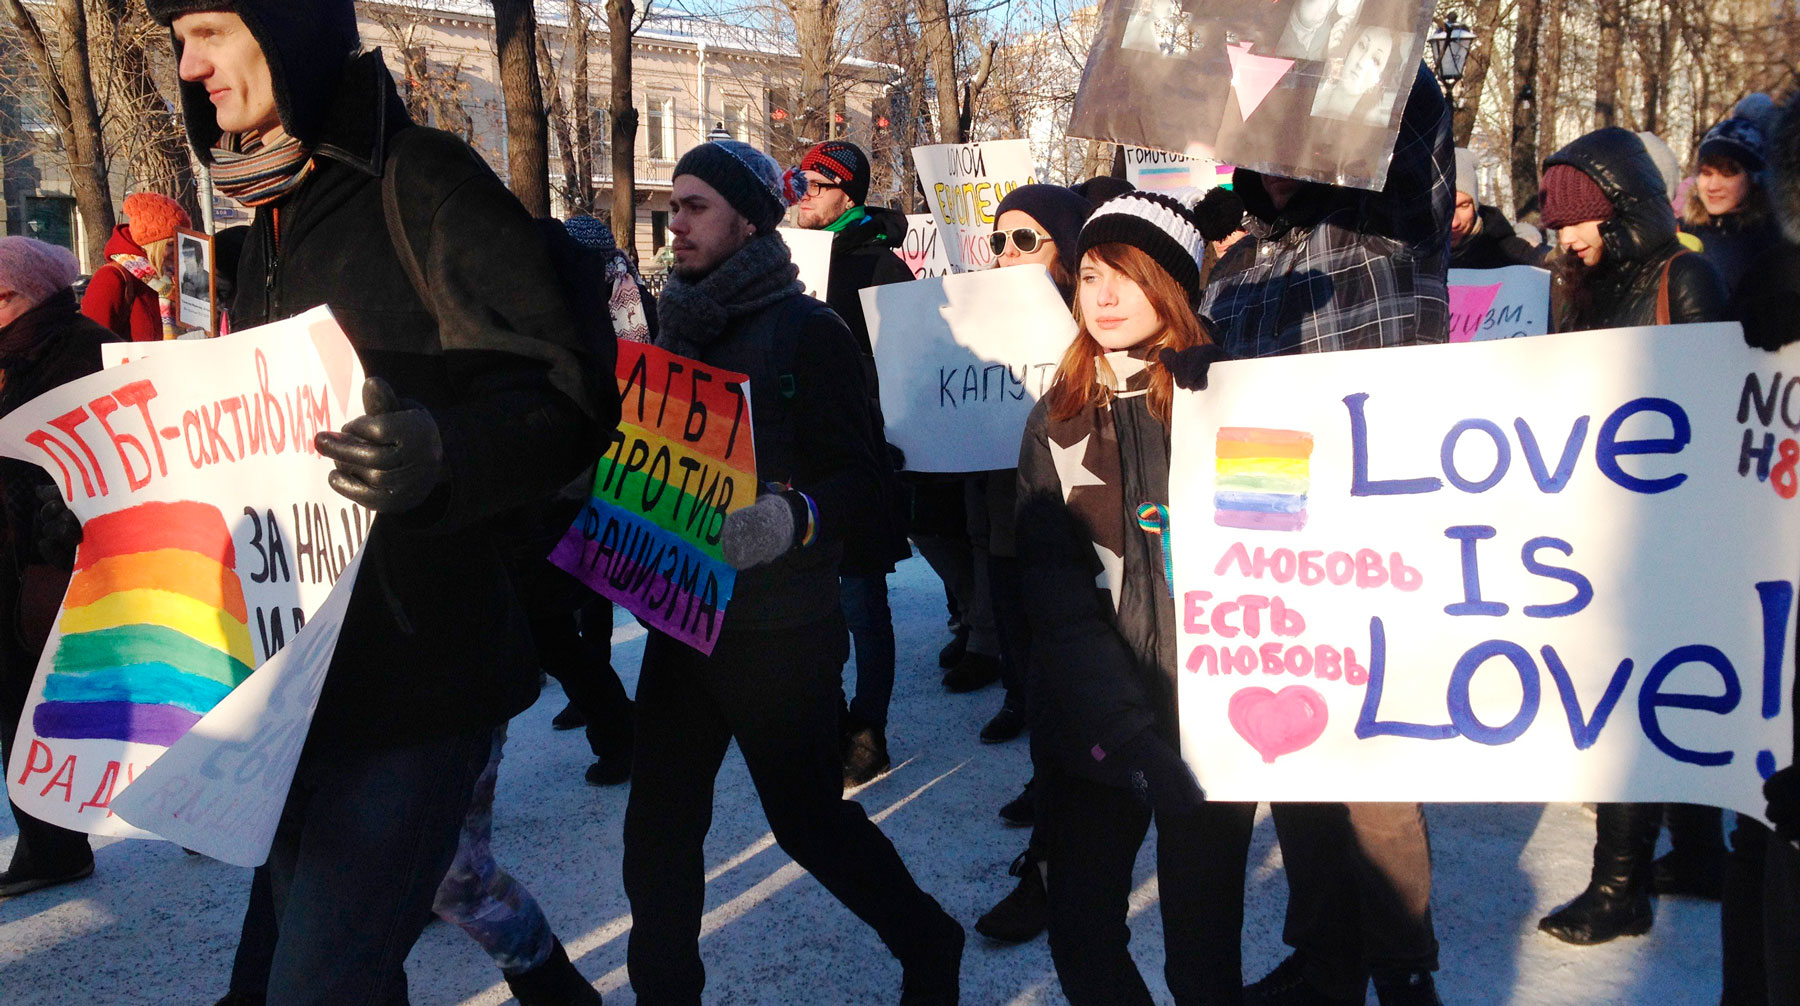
962 360
812 253
923 250
196 282
210 540
1304 88
1499 303
1159 170
681 459
1551 569
964 183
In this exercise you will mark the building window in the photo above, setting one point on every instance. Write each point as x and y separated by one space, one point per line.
600 134
659 229
737 122
660 124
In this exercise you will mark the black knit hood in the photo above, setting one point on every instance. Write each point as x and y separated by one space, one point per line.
1642 223
307 44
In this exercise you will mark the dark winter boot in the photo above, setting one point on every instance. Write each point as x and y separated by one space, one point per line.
242 999
1695 865
974 671
865 753
1287 986
934 977
570 718
1617 900
1007 724
553 983
1406 988
1023 914
1021 810
953 650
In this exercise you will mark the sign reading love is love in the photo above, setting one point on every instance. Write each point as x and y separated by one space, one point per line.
1499 303
1551 569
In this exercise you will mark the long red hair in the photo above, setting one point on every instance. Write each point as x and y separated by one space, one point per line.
1076 385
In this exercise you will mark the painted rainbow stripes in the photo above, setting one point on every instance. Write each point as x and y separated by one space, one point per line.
154 627
1261 478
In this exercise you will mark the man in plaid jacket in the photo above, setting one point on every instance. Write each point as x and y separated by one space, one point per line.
1327 268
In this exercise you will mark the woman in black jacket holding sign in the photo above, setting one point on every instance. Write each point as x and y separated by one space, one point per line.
1097 595
1621 265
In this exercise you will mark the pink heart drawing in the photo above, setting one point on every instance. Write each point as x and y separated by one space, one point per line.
1277 724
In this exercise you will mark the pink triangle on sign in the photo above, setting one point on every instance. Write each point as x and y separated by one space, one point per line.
338 357
1253 77
1468 309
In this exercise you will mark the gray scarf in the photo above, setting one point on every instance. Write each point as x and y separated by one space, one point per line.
692 314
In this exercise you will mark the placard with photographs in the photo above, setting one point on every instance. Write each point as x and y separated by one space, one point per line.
1309 89
196 282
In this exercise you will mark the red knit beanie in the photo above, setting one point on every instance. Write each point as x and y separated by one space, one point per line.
844 163
153 216
1568 196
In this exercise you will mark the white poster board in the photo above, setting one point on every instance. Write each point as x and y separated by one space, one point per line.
1499 303
1159 170
812 253
209 538
1553 569
964 183
923 249
963 359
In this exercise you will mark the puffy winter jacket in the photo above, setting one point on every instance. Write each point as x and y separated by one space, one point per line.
1638 241
1734 243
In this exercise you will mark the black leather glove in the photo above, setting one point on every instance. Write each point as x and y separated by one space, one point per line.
389 460
58 529
1783 793
1159 776
765 530
1189 366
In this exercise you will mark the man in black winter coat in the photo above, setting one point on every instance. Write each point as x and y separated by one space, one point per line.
479 402
1480 236
862 255
771 682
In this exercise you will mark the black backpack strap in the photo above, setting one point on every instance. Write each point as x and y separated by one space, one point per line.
775 418
390 212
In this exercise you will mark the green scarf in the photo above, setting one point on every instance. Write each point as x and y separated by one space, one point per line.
853 215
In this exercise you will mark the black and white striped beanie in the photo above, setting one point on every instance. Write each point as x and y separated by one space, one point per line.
1160 224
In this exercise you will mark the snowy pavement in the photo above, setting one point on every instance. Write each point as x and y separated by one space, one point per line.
156 926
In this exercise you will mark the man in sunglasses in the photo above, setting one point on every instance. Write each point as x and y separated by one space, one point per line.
862 255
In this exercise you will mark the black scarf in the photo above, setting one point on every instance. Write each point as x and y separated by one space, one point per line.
692 314
24 339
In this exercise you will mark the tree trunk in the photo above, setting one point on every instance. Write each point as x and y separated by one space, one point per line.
69 84
815 31
557 115
527 134
155 141
1527 35
582 190
1607 62
940 56
1549 78
1475 71
624 127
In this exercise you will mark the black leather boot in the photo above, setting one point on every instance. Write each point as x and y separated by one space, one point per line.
1617 900
553 983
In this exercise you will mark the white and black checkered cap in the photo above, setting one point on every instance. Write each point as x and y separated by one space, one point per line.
1160 224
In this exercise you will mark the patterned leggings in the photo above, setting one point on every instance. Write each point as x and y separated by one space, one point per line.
483 899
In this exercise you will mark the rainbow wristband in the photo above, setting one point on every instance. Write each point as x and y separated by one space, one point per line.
812 520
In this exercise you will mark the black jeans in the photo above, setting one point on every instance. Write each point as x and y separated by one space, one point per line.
1781 921
1092 837
43 849
1741 929
576 650
364 841
776 693
1359 891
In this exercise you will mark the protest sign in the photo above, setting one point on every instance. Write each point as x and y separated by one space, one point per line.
1159 170
681 459
964 183
812 253
962 360
1304 88
1499 303
1551 569
923 251
210 540
196 282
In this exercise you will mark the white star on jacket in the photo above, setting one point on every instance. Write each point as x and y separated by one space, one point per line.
1072 474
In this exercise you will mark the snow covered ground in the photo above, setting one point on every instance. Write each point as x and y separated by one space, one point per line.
156 926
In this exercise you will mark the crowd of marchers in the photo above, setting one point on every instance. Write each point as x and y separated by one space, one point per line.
491 389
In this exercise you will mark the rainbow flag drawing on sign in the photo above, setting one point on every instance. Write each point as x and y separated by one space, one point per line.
154 627
1261 478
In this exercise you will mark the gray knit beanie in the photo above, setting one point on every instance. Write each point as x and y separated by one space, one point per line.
749 179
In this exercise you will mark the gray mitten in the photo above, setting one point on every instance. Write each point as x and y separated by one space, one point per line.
765 530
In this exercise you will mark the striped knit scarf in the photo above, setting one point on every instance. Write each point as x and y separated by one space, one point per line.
255 173
139 267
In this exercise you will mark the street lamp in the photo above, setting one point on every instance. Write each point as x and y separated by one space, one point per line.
718 133
1450 46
